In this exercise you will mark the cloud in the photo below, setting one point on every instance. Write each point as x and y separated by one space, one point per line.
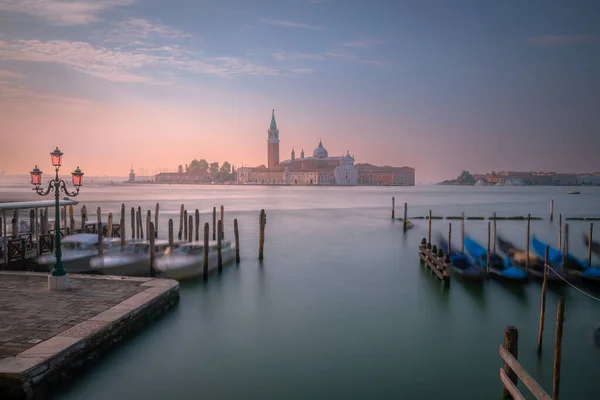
281 56
63 12
361 43
291 24
561 40
4 74
134 29
302 70
13 93
327 55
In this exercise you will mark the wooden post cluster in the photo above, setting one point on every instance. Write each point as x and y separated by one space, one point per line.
151 236
393 207
405 221
236 233
261 240
205 262
543 302
219 246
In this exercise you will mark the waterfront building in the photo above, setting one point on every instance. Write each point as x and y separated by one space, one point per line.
131 175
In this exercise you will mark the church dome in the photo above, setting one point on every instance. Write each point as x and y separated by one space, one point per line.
320 151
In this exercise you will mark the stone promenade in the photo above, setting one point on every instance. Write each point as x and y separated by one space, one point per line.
46 336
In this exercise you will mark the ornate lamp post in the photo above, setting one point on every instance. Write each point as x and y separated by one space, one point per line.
58 279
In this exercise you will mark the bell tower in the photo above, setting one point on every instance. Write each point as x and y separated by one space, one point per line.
273 143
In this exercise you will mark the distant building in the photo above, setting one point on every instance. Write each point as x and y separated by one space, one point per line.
131 175
320 169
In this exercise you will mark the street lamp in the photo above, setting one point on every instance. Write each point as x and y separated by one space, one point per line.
57 185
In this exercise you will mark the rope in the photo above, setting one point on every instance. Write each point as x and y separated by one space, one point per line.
573 286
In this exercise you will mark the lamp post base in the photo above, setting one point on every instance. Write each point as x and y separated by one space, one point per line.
58 283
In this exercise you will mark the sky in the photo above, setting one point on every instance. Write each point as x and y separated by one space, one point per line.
437 85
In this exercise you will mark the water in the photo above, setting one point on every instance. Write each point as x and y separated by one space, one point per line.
340 307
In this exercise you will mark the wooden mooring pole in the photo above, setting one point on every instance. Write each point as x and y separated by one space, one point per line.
487 263
543 302
214 237
511 344
405 221
450 238
100 240
261 240
219 244
560 319
109 226
393 207
528 233
565 252
494 241
429 232
190 228
205 263
222 222
148 222
590 237
236 233
185 225
156 220
171 237
181 209
462 233
560 232
122 228
151 236
132 223
552 210
197 224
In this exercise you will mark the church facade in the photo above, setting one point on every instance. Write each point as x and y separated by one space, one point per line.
319 169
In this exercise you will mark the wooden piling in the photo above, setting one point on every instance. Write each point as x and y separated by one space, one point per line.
148 222
261 240
171 238
122 222
151 234
511 344
236 233
141 226
552 210
528 234
205 263
214 237
393 207
566 247
219 246
83 216
191 229
543 302
181 209
100 240
185 225
462 233
429 232
71 221
590 237
133 221
156 220
63 217
99 215
405 221
222 222
450 238
489 254
560 232
560 319
109 225
197 224
494 241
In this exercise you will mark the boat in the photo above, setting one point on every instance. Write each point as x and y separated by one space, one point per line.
134 260
572 264
574 192
595 245
188 260
518 257
461 264
77 250
498 267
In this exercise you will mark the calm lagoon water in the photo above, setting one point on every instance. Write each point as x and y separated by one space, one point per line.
340 307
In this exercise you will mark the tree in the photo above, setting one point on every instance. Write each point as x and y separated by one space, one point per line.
180 169
197 166
262 166
465 178
225 171
214 167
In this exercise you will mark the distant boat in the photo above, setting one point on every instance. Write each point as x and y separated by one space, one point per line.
574 192
479 183
498 267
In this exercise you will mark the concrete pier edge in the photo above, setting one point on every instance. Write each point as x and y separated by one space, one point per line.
57 360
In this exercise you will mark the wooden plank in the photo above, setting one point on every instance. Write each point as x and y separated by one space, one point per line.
524 376
510 386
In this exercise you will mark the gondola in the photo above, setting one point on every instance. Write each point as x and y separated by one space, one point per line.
572 264
498 267
461 264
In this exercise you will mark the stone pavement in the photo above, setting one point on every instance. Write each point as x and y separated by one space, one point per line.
30 313
45 336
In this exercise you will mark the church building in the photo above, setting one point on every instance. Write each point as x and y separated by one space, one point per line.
320 169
